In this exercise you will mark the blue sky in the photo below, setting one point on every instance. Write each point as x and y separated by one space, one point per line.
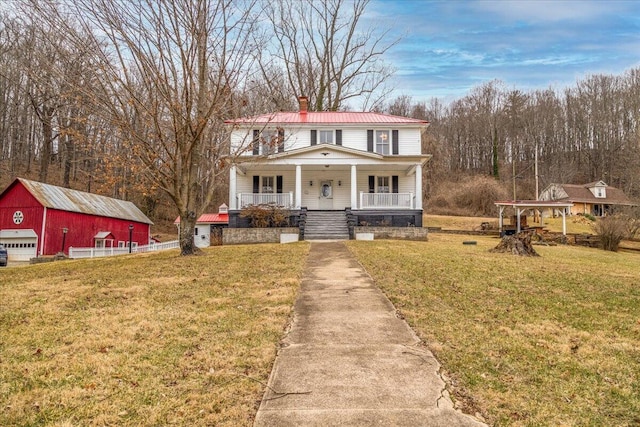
451 46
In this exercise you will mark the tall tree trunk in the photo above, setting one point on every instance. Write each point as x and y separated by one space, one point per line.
47 143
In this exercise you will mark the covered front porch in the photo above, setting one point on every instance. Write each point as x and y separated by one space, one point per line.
328 178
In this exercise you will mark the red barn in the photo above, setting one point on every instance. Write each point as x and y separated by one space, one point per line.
41 219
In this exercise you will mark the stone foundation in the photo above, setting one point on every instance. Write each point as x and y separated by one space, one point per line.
399 233
236 236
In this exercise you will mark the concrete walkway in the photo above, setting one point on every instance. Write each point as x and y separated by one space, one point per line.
348 360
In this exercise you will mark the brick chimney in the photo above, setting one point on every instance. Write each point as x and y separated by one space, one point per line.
304 104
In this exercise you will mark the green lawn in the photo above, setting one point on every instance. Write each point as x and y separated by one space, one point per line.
548 341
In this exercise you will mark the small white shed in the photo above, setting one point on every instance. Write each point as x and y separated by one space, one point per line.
207 224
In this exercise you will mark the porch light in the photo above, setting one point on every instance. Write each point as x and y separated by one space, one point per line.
310 183
339 183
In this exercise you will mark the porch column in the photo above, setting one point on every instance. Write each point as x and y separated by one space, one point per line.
233 198
354 187
298 196
418 186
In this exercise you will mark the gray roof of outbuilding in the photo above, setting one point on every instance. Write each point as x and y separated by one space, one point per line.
65 199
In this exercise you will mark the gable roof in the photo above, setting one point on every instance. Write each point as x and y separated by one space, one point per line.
210 218
582 194
328 118
103 235
326 147
65 199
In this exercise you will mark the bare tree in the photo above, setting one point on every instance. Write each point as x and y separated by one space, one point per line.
326 53
168 69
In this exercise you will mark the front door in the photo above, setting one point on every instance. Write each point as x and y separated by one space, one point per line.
326 195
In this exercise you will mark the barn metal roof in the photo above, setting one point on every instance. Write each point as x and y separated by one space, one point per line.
66 199
329 118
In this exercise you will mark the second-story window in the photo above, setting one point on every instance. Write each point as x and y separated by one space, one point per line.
383 141
325 136
268 141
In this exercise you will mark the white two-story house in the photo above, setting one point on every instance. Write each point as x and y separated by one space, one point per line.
368 164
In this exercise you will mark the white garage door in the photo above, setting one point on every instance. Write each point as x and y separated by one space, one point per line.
21 245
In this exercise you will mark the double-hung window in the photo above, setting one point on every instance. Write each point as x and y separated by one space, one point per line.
383 141
325 136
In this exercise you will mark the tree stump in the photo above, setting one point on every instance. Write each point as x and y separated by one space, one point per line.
519 244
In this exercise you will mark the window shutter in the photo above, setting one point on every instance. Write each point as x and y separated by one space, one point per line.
256 142
372 184
338 136
394 141
256 184
279 184
280 140
314 137
370 140
394 184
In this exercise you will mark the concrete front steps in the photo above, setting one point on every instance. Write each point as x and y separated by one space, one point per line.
326 225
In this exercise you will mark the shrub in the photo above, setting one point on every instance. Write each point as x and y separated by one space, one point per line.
474 196
612 230
266 215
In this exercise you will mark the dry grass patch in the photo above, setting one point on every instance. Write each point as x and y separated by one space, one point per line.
545 341
144 340
456 222
575 224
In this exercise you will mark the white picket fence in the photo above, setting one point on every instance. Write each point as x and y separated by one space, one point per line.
102 252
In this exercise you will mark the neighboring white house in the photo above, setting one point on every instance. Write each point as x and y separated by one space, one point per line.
368 163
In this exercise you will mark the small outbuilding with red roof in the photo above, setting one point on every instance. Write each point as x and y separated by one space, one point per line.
208 225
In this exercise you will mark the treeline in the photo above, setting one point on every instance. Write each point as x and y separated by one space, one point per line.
581 134
128 99
111 116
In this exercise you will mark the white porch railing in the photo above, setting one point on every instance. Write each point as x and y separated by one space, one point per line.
386 200
279 199
76 253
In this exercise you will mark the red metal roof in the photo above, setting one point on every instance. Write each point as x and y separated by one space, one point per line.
210 218
328 117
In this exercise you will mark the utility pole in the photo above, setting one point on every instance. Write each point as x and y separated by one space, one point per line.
536 171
